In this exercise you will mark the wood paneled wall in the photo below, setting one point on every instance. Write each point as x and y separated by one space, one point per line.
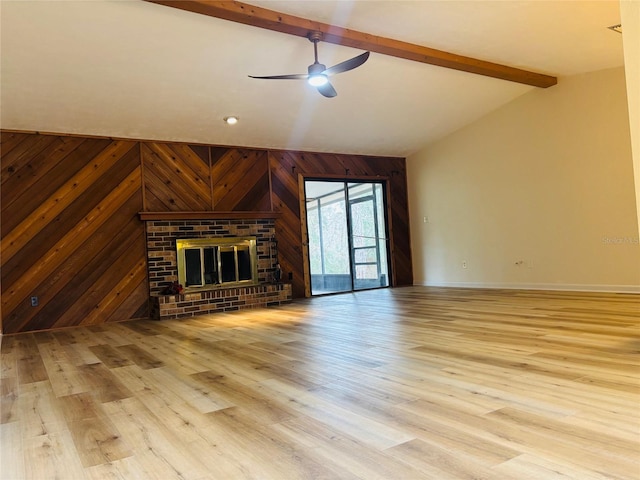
71 234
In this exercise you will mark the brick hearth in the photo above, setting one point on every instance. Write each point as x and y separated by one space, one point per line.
221 300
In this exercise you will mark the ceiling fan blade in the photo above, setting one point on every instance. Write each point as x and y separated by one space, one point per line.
327 90
347 64
295 76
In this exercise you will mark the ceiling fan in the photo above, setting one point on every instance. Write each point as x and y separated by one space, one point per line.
319 74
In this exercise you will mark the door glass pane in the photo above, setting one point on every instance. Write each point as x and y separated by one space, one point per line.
363 224
334 238
366 273
313 228
244 263
364 255
378 194
228 263
193 267
210 265
369 252
360 190
329 263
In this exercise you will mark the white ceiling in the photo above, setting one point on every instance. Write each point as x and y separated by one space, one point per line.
139 70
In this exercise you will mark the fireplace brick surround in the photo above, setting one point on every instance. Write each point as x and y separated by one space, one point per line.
163 268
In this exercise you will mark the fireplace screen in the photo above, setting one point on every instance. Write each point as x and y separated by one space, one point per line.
211 262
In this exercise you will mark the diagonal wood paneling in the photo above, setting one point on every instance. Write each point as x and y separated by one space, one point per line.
31 222
284 183
240 179
29 177
71 234
317 163
80 247
9 141
176 177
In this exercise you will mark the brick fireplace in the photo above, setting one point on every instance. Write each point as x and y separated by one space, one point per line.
162 231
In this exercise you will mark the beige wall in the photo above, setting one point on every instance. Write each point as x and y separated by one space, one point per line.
630 15
538 194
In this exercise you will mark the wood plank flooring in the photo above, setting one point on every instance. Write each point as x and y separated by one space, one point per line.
407 383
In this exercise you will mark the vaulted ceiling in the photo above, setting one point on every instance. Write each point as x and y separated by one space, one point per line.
142 70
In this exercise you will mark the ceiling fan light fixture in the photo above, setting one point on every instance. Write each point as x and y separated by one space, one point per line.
317 80
231 120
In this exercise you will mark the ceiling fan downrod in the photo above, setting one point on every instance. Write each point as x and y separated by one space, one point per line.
315 37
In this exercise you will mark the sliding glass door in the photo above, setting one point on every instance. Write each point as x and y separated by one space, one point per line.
346 229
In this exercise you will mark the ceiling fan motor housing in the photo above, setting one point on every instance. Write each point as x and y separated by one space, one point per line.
316 68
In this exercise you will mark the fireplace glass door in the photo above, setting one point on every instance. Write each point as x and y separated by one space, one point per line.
204 263
347 240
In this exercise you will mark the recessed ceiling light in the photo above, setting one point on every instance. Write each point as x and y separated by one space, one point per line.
616 28
231 120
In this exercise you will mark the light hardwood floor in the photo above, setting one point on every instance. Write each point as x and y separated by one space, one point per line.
407 383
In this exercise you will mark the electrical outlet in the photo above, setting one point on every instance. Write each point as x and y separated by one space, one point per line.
34 301
464 264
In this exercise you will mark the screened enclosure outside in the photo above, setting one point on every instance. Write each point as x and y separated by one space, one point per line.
347 236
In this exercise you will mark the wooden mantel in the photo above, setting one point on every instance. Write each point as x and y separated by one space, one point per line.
206 215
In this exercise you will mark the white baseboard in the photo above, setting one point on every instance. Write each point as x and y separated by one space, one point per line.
538 286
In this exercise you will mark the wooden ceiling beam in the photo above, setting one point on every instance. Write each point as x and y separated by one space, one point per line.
292 25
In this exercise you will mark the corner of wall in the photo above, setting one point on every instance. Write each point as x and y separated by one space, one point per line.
630 15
